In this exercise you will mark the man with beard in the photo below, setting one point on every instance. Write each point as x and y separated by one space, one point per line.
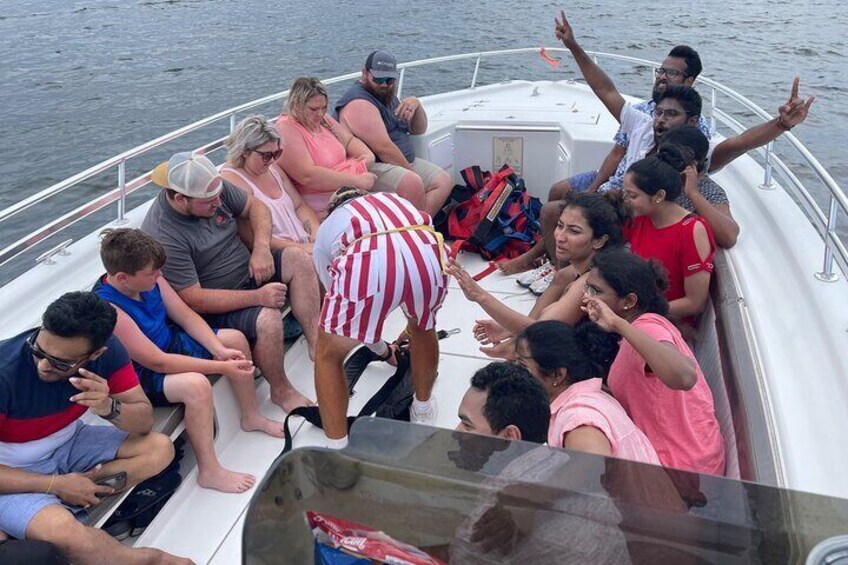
644 133
373 112
681 67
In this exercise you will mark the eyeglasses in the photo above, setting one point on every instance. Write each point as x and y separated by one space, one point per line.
667 112
591 291
63 365
268 155
670 73
385 80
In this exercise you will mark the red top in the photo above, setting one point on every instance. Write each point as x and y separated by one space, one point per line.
674 247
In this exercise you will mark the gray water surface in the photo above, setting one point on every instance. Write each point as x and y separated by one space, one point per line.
85 80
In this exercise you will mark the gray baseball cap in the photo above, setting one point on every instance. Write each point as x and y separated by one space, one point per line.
382 64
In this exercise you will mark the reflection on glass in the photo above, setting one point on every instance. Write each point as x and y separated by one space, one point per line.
475 499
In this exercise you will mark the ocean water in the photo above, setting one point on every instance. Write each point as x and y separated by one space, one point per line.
85 80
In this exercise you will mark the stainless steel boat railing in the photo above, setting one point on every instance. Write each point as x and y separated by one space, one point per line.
825 223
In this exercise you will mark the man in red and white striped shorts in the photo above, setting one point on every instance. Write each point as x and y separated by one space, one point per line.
373 253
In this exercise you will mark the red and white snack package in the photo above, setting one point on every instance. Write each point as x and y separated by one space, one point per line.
362 541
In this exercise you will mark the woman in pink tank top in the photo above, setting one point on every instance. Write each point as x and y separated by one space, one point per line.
571 363
253 147
321 154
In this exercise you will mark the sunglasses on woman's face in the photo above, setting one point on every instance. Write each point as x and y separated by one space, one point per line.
269 155
61 365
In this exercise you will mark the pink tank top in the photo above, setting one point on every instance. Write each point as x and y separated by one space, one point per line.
326 151
285 223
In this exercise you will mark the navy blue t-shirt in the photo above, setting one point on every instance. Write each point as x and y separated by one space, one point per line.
31 409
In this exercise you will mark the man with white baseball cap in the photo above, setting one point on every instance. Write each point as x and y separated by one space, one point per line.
200 219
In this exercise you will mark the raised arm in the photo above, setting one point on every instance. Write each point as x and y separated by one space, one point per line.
363 119
790 115
674 369
598 81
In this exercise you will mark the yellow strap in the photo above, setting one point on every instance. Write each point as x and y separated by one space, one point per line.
438 235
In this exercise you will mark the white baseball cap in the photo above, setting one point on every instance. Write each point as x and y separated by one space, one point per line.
191 175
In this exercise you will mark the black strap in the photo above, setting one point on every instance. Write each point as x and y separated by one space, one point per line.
354 367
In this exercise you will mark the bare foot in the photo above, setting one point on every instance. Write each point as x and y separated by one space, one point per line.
289 398
259 423
519 264
3 536
224 480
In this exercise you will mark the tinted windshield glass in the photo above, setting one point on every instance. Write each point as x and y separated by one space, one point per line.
484 500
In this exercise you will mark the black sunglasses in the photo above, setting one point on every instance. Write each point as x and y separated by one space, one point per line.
62 365
269 155
386 80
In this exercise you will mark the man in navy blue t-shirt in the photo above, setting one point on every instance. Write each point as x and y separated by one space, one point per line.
50 461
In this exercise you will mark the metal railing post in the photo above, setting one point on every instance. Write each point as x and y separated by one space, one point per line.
768 183
476 70
232 122
122 185
400 81
827 274
713 122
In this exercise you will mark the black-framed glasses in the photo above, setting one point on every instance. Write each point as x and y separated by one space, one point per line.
63 365
670 73
269 155
384 80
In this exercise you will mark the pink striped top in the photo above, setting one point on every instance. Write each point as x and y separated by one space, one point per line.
585 404
326 151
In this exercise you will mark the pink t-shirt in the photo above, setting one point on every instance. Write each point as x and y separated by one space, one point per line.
585 404
681 424
326 151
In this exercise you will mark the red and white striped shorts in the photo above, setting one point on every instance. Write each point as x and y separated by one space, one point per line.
379 273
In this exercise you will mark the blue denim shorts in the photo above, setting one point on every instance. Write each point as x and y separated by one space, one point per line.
89 446
581 181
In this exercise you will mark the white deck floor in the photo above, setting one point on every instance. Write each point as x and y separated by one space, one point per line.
207 526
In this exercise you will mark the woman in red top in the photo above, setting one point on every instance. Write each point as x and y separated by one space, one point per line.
681 241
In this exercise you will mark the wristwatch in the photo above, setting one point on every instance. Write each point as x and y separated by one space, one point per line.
114 412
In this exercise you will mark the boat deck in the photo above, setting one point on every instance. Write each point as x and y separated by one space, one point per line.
215 536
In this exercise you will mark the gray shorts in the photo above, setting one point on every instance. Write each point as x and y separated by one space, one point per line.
244 320
89 446
390 176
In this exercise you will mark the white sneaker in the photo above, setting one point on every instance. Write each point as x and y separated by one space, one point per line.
428 417
529 277
540 285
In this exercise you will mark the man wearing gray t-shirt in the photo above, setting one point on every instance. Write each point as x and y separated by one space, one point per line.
199 219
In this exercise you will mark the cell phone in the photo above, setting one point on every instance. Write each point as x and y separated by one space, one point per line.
117 482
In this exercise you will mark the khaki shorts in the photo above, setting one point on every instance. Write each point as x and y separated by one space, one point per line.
390 176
